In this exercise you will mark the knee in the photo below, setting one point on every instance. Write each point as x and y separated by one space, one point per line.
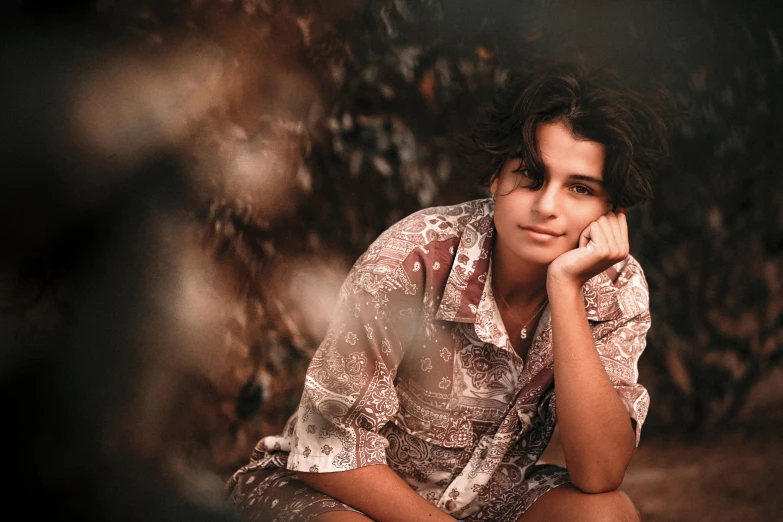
341 516
614 506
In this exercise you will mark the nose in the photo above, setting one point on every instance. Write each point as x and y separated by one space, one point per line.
546 202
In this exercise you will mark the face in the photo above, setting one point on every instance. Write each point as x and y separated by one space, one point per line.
566 203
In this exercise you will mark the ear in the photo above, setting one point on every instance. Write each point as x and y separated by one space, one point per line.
620 210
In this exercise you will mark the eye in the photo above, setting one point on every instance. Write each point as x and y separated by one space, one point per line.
529 182
587 191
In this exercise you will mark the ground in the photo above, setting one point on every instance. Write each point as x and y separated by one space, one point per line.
727 478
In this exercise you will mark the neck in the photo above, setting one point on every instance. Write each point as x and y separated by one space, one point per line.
519 282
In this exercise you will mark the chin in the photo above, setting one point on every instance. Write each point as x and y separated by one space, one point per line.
539 258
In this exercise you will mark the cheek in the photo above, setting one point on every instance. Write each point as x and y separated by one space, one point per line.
507 182
509 207
579 221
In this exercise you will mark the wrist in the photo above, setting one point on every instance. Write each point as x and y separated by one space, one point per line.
557 281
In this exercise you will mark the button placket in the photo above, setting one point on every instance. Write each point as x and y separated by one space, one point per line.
462 484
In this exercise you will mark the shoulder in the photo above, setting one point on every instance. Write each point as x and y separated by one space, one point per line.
633 292
433 224
623 276
430 231
629 274
619 293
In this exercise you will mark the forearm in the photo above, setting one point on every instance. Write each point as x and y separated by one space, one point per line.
597 435
378 492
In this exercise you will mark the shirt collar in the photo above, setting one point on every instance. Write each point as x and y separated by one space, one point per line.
468 275
467 287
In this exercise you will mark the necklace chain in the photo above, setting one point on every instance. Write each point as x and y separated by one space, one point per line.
523 332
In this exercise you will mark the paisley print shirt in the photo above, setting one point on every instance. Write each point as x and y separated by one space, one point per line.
417 371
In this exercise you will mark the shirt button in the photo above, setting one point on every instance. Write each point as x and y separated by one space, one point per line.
450 504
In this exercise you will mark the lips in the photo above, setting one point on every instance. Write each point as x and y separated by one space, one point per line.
542 230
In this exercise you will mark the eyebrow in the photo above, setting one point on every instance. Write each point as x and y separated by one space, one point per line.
584 177
577 177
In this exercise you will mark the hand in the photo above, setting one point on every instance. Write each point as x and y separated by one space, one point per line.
602 244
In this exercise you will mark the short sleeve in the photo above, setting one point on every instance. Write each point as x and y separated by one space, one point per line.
349 387
620 350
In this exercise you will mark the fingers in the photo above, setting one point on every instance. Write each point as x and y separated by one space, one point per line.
584 237
623 222
609 222
601 237
613 234
620 226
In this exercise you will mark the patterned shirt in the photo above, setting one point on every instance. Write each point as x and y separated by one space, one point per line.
417 371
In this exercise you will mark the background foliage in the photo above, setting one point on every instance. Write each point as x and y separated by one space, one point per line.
192 180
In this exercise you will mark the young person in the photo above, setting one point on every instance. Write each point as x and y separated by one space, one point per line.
466 332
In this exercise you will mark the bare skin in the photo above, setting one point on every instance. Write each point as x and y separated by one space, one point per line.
566 503
562 504
341 516
377 491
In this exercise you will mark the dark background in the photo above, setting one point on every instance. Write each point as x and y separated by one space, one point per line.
186 184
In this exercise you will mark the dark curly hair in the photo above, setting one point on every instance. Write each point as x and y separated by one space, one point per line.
595 105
